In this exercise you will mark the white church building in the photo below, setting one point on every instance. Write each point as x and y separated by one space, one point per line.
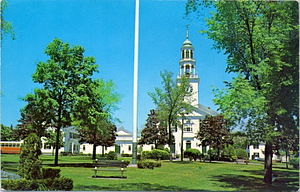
187 67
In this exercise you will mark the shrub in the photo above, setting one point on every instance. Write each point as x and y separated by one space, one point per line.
139 149
19 185
112 155
50 173
57 184
62 184
159 154
148 164
146 155
192 154
213 153
126 155
241 153
155 154
30 165
295 163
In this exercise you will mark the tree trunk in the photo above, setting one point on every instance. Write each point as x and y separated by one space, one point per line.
57 146
286 161
94 151
103 151
209 154
170 141
218 154
268 163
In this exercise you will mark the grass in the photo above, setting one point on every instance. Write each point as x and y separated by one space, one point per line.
176 176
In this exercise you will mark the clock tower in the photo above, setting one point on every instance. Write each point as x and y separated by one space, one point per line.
187 67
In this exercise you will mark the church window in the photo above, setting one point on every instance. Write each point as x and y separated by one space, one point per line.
83 147
255 146
182 54
192 54
187 54
188 129
129 147
188 144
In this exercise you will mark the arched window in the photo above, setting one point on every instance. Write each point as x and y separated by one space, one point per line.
187 54
129 147
192 54
182 54
187 69
188 144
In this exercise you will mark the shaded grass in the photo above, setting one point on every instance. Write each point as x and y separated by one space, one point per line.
176 176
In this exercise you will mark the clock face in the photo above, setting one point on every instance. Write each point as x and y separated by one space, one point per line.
190 88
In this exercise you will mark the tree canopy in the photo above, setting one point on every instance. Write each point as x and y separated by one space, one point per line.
172 98
64 77
261 41
154 131
6 26
214 132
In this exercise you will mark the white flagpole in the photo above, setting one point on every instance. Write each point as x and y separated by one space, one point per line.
135 82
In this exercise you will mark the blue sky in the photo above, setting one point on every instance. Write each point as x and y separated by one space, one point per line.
105 28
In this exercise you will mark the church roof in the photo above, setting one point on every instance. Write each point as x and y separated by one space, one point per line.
122 129
201 110
187 42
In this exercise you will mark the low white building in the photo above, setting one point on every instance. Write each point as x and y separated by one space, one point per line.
257 152
70 139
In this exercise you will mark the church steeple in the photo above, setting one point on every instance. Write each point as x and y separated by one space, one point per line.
187 62
187 67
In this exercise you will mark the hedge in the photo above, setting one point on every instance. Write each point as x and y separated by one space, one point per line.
58 184
148 164
155 154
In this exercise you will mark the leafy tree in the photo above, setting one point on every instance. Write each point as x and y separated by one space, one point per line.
6 27
6 133
261 39
240 140
105 138
93 113
170 100
214 133
154 132
36 115
30 165
63 77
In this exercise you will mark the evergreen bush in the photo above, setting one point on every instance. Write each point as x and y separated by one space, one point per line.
192 154
146 155
159 154
30 165
111 155
50 173
148 164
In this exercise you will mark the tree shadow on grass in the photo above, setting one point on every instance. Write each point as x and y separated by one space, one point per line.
130 187
88 165
285 181
191 162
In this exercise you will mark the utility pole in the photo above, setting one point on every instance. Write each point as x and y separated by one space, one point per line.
135 82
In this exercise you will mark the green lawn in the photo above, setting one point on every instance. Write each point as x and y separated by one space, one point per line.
171 176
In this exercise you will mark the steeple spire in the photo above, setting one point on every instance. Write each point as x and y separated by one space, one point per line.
187 31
